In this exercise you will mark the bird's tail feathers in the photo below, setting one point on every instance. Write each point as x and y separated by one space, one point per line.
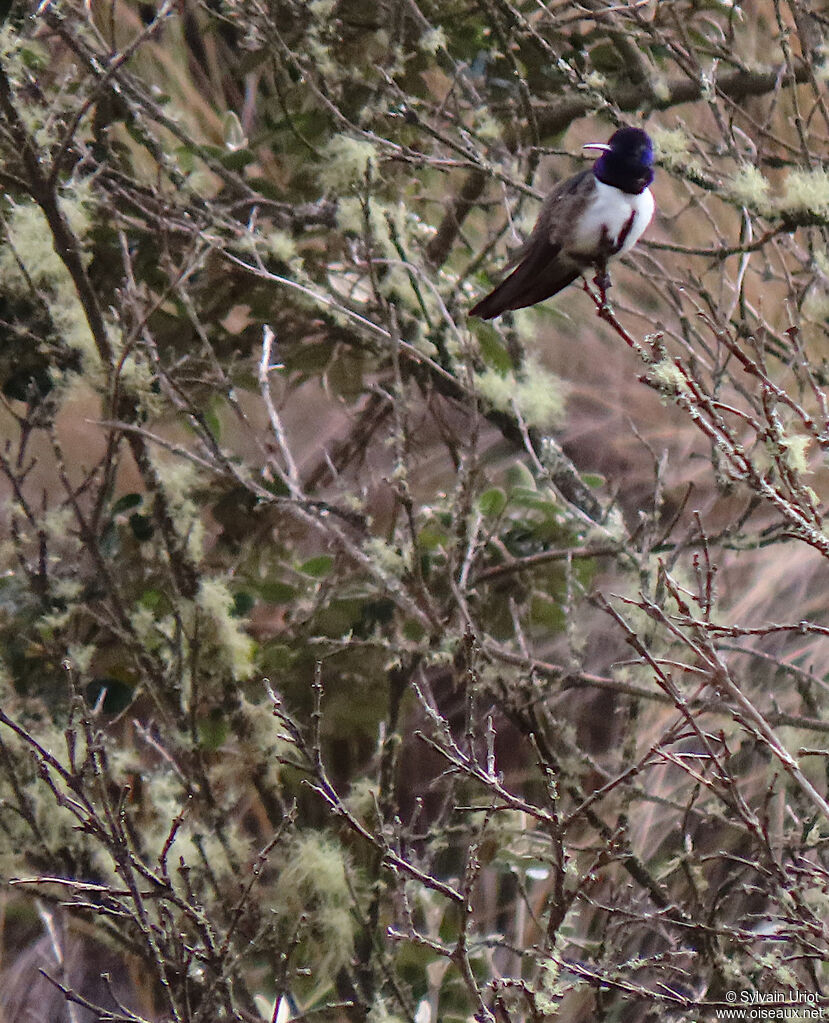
539 276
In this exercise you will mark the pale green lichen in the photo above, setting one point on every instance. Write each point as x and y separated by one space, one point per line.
169 796
771 963
149 628
397 282
30 246
821 258
58 521
55 824
526 321
381 1013
77 202
417 227
66 589
179 478
534 392
346 162
354 218
669 376
10 42
313 885
266 241
234 646
138 378
749 188
201 847
786 976
201 181
671 146
80 657
549 987
794 447
319 53
486 126
28 231
362 800
49 625
280 245
262 742
806 191
432 40
388 559
595 80
392 232
660 88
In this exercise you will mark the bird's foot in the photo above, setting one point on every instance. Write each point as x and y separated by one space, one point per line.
603 284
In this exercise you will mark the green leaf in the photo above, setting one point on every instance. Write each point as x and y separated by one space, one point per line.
318 566
431 537
339 617
142 527
126 502
212 730
413 631
547 613
233 132
267 189
151 599
494 353
375 612
518 475
186 158
492 502
594 480
109 540
277 657
276 486
242 604
217 152
239 160
276 592
311 358
605 58
525 497
213 422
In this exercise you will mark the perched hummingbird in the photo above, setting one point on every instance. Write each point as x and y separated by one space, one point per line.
595 214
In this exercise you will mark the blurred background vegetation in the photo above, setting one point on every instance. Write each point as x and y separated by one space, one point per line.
362 661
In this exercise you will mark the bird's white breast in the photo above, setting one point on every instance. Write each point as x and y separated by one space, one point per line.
611 210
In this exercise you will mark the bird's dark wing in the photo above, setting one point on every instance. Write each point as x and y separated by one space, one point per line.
542 265
543 271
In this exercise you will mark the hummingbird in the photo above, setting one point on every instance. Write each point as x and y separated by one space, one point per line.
593 215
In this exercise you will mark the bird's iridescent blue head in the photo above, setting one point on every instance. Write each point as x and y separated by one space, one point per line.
626 161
